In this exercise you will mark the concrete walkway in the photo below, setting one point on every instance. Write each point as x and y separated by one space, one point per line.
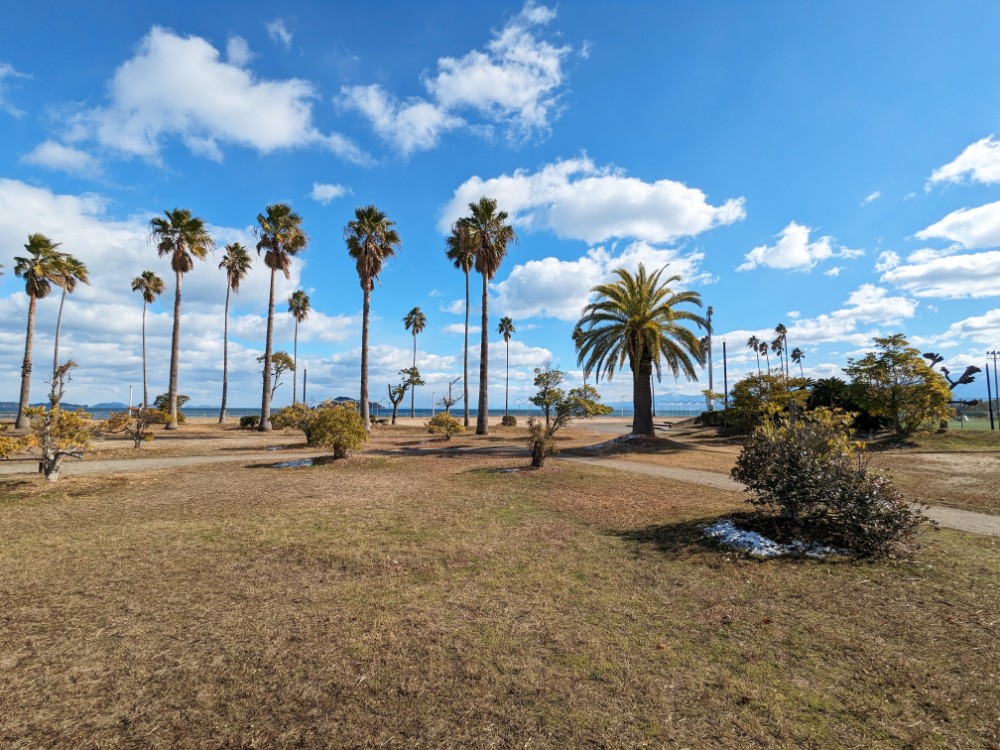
948 518
71 467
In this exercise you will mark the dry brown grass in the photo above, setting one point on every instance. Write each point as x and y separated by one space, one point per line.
425 601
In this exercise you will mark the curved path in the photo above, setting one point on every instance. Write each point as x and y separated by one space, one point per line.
949 518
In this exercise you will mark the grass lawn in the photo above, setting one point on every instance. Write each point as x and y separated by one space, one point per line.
436 602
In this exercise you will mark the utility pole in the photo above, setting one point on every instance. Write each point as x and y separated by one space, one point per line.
305 376
725 375
989 395
996 387
709 403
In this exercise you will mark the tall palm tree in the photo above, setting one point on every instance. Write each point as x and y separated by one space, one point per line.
236 263
280 234
43 264
489 233
414 321
506 329
797 356
636 319
754 343
462 254
778 347
74 271
783 338
371 241
766 351
183 238
298 306
150 286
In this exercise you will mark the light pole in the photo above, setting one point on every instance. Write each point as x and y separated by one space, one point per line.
433 394
709 403
623 407
996 393
130 398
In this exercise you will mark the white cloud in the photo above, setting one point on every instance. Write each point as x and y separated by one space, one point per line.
834 271
279 32
886 261
513 84
460 328
575 199
7 71
152 98
969 275
983 329
326 192
521 354
980 162
66 158
238 51
871 197
560 289
793 251
972 228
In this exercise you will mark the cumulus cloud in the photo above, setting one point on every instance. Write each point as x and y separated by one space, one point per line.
326 192
887 260
513 84
8 73
972 228
151 98
968 275
460 328
979 162
983 329
278 31
560 289
238 51
871 197
833 271
794 252
576 199
65 158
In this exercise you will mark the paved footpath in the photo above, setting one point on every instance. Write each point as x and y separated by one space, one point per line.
949 518
101 466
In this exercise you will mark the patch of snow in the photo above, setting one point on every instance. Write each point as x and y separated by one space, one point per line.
757 545
296 464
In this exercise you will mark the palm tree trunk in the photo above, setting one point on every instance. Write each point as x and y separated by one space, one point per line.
23 420
506 390
55 348
175 347
265 399
465 353
758 363
413 390
295 362
482 415
225 355
642 398
145 387
366 308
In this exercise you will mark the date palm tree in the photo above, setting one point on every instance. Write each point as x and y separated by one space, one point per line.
279 233
150 286
797 356
371 241
637 319
74 271
236 263
489 233
414 321
506 329
182 237
463 256
39 269
783 348
753 343
298 306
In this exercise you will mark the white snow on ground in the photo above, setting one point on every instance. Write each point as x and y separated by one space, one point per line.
756 545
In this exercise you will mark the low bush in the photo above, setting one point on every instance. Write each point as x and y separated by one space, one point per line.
509 420
339 428
810 471
445 424
249 423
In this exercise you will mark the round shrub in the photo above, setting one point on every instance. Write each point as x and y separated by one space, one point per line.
509 420
444 424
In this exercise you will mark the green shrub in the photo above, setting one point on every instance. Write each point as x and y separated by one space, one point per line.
250 423
297 417
337 427
444 424
811 472
509 420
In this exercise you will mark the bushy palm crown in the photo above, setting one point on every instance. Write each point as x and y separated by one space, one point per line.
280 235
415 321
149 284
181 235
461 252
236 263
635 318
488 233
73 271
43 265
299 306
371 240
506 328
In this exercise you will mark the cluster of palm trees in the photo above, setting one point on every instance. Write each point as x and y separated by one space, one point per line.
778 346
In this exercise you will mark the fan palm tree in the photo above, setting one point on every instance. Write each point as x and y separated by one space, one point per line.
782 341
279 234
506 329
298 306
414 321
636 319
766 351
39 269
74 271
236 262
462 254
183 238
489 233
150 286
754 343
797 356
371 241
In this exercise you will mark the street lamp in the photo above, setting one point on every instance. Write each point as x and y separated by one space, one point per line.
623 407
433 394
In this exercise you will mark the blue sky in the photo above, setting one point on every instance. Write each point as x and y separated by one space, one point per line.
833 167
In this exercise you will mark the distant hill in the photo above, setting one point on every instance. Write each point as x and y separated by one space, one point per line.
109 406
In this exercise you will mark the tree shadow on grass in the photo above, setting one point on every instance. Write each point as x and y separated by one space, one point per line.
680 539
